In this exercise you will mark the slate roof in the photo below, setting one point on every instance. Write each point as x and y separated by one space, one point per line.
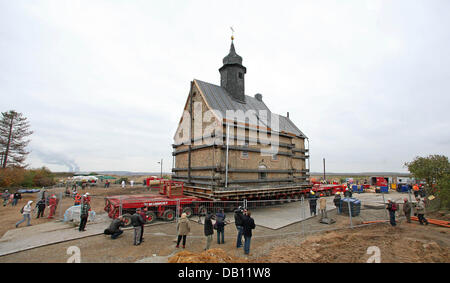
219 100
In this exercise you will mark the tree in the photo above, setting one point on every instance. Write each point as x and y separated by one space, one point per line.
435 170
14 128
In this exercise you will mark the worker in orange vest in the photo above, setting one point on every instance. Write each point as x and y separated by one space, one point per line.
77 199
416 190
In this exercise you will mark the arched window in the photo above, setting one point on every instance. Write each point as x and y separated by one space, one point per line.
263 173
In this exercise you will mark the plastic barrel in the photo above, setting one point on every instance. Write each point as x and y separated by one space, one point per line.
355 206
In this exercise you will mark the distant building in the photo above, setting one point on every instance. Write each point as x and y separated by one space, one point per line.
259 152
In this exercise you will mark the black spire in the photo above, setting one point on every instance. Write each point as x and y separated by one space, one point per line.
232 57
232 75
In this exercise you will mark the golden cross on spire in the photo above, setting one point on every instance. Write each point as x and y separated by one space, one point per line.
232 33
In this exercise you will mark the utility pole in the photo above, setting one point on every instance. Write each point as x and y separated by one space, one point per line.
324 176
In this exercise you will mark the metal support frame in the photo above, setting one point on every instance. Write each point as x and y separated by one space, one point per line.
226 165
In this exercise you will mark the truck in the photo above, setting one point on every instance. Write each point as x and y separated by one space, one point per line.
379 181
172 196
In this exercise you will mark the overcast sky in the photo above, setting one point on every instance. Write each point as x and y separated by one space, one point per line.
104 83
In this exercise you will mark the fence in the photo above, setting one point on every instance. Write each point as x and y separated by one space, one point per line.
276 214
361 210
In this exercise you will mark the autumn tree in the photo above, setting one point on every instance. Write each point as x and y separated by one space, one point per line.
14 128
435 170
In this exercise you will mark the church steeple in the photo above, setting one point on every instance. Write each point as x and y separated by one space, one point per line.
232 74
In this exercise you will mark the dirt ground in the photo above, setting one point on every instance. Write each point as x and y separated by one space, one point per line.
10 215
298 242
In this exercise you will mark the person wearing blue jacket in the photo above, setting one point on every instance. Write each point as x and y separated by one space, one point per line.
248 224
220 227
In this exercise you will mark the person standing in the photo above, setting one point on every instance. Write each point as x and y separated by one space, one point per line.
208 228
323 207
26 212
392 208
16 198
40 207
5 197
143 214
137 222
238 222
52 206
84 214
312 203
337 202
416 190
420 210
77 199
407 206
220 226
123 184
183 229
248 225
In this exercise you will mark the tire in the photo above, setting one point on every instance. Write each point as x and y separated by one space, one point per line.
188 211
150 217
169 215
127 220
202 210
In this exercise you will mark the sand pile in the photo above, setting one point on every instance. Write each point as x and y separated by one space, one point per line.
209 256
395 245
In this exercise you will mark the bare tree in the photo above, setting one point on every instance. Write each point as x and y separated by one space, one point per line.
14 128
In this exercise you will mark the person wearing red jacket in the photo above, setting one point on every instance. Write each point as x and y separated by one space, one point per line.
52 206
143 214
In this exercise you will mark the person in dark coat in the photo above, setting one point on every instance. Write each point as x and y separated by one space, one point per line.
16 198
337 202
220 226
137 222
84 214
114 228
312 203
248 225
238 222
143 213
209 231
41 207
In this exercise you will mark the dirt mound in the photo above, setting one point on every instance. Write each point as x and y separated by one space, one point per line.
351 246
209 256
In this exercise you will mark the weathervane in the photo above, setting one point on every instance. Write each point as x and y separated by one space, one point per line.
232 33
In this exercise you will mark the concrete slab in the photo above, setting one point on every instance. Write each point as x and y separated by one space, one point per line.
278 216
25 238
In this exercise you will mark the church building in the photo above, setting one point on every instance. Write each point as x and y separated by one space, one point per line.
229 145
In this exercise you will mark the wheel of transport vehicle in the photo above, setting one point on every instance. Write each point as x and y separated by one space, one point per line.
151 217
127 219
188 211
169 215
202 209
